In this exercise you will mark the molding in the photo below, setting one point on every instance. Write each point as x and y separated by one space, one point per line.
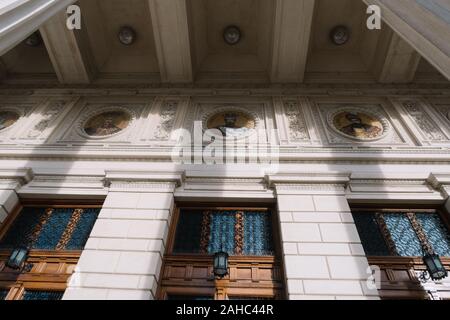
143 179
15 178
441 182
64 186
309 178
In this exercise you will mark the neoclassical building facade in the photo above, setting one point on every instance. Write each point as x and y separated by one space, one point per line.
310 148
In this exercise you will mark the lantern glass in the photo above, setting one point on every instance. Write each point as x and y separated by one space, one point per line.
221 264
435 267
17 258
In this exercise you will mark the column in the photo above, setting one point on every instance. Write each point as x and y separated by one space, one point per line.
10 181
323 255
123 256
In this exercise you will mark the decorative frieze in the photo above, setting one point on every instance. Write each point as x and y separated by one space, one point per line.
429 128
167 118
298 130
47 119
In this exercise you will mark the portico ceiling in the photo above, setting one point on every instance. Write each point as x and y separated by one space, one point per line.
181 41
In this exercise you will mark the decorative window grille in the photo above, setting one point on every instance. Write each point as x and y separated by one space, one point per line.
42 295
51 228
404 234
237 232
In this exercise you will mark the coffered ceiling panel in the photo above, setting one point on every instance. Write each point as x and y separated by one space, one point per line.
209 18
103 19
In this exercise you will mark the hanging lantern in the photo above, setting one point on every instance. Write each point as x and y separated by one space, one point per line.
220 264
434 266
17 257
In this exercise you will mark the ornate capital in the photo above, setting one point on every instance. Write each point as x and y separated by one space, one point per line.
15 178
153 181
440 182
293 183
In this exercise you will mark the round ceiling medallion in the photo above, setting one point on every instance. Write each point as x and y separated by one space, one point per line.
340 35
107 123
358 125
127 35
231 123
232 35
8 118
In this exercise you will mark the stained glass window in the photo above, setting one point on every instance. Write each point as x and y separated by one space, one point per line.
222 232
51 228
42 295
403 234
233 231
436 232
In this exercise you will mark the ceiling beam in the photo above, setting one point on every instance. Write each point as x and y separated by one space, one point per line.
21 18
396 60
424 25
172 40
292 32
69 51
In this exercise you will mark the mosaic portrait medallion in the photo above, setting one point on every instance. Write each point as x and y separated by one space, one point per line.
8 118
107 123
358 125
232 123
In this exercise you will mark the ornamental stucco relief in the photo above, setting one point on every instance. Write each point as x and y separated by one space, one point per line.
297 128
46 119
167 118
429 128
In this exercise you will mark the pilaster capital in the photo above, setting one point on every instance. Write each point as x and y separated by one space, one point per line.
143 181
308 182
12 179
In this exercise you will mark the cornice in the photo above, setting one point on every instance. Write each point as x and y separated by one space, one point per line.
227 89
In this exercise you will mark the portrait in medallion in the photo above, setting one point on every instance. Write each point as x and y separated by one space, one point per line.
107 123
7 119
231 123
358 125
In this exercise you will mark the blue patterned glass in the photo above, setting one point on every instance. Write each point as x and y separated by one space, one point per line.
42 295
3 294
370 234
21 231
83 229
436 232
403 235
53 229
257 234
222 236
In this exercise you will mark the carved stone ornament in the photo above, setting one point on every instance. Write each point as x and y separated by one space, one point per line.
47 118
167 120
428 127
358 124
105 123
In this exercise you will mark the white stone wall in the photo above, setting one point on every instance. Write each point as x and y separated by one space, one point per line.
322 251
123 256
